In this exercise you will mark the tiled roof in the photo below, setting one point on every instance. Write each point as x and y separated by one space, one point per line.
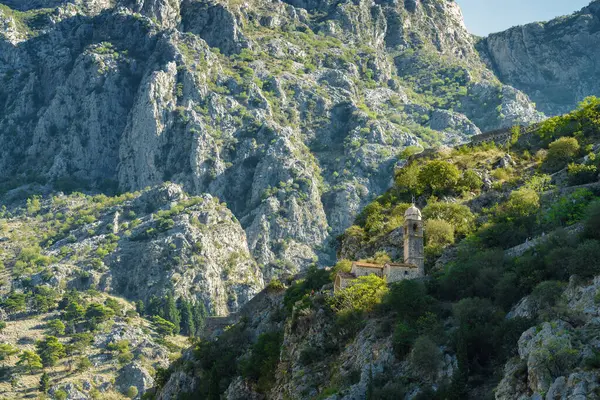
401 265
367 265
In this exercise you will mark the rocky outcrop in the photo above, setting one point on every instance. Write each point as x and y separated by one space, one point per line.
295 131
554 356
555 63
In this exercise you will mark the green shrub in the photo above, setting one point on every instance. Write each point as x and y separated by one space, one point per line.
261 365
547 293
568 209
560 153
60 395
438 234
275 286
470 181
98 313
50 350
403 339
425 357
131 392
30 361
557 356
163 327
314 280
592 221
83 364
362 294
580 174
439 176
459 216
55 327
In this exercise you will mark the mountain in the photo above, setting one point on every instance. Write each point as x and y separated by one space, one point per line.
291 113
555 63
508 310
178 155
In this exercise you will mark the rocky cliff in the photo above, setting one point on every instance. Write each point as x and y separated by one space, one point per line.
555 63
293 113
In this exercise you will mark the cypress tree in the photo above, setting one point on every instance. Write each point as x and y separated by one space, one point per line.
170 311
199 315
187 318
44 383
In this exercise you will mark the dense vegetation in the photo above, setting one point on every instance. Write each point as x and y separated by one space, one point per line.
479 201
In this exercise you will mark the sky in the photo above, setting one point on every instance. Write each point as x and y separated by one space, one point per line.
487 16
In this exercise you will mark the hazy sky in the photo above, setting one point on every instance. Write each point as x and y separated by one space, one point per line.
487 16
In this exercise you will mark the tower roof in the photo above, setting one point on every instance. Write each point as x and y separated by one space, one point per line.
413 213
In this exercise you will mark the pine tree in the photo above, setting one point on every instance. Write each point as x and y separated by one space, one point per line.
44 383
188 327
171 313
139 307
199 314
155 307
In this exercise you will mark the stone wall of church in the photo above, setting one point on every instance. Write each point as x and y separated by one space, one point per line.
395 274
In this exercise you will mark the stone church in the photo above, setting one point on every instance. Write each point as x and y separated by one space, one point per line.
414 260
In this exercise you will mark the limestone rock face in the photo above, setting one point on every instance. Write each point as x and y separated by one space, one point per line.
203 256
296 132
555 63
552 356
134 374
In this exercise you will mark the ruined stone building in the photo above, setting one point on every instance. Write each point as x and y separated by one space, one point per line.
414 260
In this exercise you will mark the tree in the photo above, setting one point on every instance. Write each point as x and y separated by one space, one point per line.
170 311
140 307
132 392
15 302
426 356
98 312
50 350
29 361
2 326
261 365
560 152
83 364
547 293
44 383
521 207
7 350
199 312
457 215
439 234
439 176
163 327
81 341
477 321
114 305
188 327
44 300
409 299
74 312
404 336
580 174
55 328
362 294
470 181
407 179
592 221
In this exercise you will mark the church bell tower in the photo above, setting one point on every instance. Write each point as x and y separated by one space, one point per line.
413 239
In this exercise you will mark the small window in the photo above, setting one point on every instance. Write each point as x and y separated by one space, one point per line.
405 273
415 228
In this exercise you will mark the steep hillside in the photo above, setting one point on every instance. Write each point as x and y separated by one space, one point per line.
555 63
509 309
293 113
